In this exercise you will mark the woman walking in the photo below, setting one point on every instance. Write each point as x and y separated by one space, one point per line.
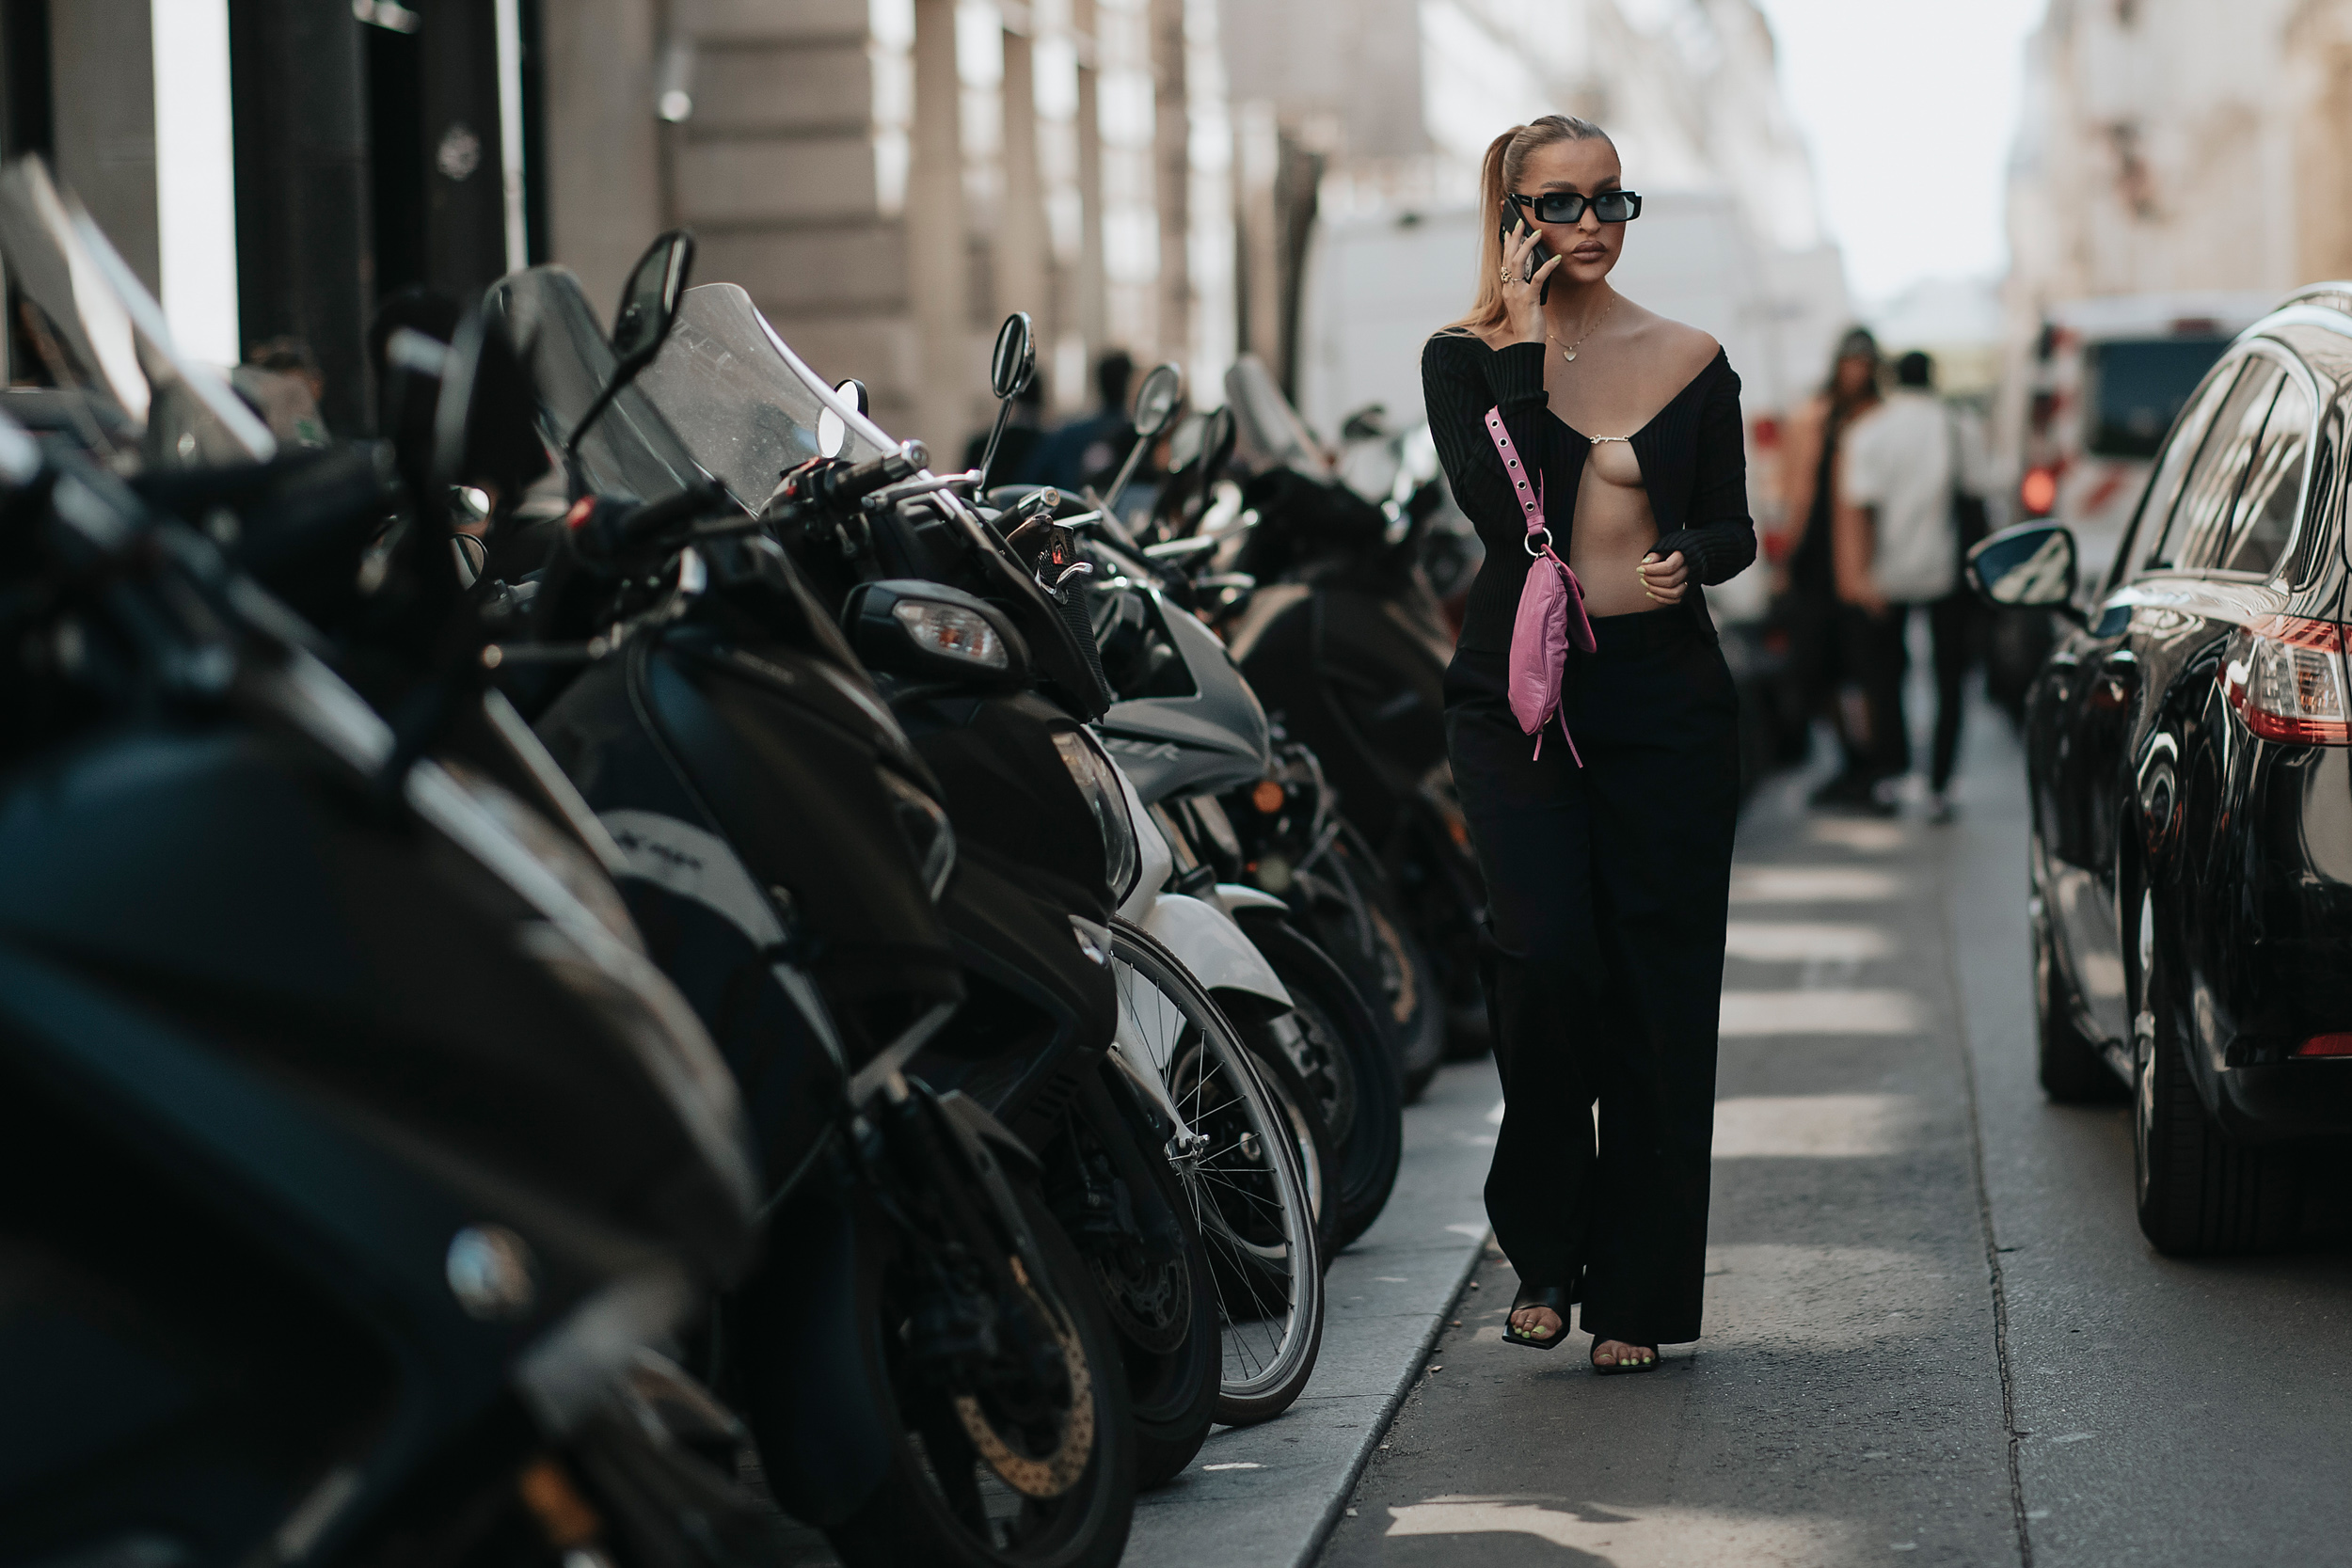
1823 651
1606 851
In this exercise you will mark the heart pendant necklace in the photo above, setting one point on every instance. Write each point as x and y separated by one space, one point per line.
1567 350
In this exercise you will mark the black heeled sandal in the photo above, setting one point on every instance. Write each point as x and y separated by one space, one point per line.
1614 1368
1553 1299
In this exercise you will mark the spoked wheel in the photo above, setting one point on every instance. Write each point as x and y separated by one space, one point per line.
1237 1155
1356 1074
1014 1451
1118 1200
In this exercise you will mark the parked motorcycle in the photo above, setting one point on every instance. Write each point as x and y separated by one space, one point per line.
1188 728
1344 640
987 658
360 1163
758 778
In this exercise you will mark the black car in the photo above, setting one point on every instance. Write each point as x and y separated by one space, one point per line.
2191 750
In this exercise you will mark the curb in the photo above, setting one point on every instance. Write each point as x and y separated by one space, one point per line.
1272 1494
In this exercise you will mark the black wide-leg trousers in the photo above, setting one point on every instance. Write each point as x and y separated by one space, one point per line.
1606 888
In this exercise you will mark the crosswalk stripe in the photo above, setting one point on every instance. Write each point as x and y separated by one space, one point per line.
1819 1012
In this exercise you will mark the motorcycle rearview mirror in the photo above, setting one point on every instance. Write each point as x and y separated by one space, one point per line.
2029 566
929 630
1156 402
649 301
833 431
1011 366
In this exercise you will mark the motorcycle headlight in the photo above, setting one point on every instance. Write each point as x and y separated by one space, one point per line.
927 831
1123 861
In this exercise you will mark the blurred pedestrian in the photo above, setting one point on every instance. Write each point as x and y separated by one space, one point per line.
1910 465
1085 450
280 381
1808 606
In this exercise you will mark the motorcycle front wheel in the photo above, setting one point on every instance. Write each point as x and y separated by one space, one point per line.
1120 1203
1036 1475
1238 1154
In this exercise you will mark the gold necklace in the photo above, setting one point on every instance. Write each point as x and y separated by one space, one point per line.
1569 352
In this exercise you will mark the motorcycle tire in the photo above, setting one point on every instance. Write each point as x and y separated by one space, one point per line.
1143 1247
1353 913
1442 893
1241 1175
1365 1105
944 1502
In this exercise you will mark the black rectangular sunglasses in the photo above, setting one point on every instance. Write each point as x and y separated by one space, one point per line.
1567 206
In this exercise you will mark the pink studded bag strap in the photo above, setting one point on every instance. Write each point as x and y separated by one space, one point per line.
1531 497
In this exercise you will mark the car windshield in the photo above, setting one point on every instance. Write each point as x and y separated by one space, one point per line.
2133 389
741 401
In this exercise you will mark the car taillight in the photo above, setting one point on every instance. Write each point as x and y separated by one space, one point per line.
2326 1045
2038 491
2283 676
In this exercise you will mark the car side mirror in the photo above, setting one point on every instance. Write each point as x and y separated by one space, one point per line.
929 630
2029 566
649 301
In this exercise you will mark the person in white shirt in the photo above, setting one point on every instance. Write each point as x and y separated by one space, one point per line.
1898 549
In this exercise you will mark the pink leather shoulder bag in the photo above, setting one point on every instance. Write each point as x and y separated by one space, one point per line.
1551 609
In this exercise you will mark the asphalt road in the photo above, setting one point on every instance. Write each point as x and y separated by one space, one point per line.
1934 1334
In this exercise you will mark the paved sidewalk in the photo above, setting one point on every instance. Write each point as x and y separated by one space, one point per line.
1267 1494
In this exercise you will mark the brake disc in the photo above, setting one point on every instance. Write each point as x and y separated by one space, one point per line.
1050 1474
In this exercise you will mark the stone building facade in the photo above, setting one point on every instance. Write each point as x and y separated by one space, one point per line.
889 178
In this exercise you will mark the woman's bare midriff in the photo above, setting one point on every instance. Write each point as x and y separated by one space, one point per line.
1613 530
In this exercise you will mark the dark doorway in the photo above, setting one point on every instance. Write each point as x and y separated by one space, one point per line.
395 63
437 185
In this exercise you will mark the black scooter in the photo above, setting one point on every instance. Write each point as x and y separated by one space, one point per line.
313 1073
987 658
757 780
1346 646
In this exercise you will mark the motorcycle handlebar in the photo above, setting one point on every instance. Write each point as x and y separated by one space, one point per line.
648 521
845 487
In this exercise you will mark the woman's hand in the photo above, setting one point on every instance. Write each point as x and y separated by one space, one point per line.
1664 581
1522 299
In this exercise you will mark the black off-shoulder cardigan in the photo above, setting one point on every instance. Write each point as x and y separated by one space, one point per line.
1692 455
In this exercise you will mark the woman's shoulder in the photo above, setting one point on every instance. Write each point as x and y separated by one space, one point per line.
1667 342
1455 344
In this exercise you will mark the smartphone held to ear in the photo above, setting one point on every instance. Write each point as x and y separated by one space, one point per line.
1537 256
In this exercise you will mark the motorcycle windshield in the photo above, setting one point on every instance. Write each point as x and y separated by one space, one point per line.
631 451
743 403
1270 430
102 334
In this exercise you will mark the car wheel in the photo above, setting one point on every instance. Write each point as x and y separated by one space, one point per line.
2198 1193
2073 1072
